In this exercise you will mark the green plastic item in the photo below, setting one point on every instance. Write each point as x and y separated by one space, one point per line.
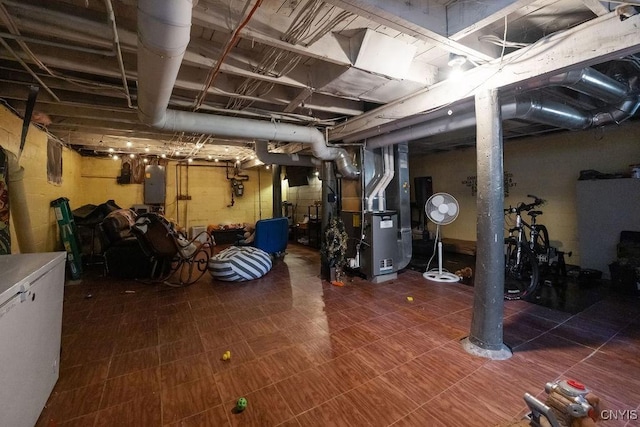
241 404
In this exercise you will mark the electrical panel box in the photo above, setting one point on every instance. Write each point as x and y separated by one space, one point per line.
154 184
380 248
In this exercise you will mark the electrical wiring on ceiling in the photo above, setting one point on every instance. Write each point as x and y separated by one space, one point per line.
213 72
490 38
306 29
78 82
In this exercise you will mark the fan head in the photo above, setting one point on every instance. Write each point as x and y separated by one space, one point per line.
441 208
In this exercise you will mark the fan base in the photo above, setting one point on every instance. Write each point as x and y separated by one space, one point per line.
441 277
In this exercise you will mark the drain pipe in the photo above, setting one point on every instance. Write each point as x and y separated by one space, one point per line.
163 36
18 204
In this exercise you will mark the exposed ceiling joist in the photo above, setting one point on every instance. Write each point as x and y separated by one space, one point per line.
596 7
302 96
464 18
598 40
404 17
326 48
304 62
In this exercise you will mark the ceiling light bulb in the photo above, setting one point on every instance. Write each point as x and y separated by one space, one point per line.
177 153
226 148
449 112
147 149
132 155
164 156
209 157
115 157
268 167
190 160
129 143
111 150
215 160
145 160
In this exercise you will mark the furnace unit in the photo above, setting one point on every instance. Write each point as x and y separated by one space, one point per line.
380 245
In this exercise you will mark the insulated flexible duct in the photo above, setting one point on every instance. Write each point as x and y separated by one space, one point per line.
163 36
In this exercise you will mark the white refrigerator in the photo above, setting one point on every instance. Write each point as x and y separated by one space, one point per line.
31 294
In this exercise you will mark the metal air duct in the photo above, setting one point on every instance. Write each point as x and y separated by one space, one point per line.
163 36
263 154
535 109
588 81
619 113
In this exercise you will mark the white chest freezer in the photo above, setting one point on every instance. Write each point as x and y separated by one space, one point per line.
31 294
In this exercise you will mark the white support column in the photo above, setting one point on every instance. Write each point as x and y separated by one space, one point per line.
486 335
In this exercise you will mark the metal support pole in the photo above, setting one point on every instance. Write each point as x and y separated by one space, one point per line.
328 210
329 186
276 184
486 335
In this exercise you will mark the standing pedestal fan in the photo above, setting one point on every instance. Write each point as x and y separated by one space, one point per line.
441 209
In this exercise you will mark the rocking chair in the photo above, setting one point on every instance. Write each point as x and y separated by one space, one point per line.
176 261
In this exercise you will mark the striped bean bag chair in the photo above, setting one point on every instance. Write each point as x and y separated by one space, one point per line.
240 263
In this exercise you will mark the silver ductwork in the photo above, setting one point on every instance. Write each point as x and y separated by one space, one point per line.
381 183
400 196
432 127
263 154
587 81
619 113
535 108
163 36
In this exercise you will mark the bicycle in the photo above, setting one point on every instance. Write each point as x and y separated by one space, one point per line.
525 255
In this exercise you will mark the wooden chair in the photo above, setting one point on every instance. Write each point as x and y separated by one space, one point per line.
177 261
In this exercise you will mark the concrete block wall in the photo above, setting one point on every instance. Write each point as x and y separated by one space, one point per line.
547 166
302 197
39 192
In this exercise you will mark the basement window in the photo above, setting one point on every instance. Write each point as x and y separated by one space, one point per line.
54 162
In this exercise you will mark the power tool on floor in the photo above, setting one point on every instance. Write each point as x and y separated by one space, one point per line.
565 402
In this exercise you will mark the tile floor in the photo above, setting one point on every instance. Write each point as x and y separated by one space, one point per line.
306 353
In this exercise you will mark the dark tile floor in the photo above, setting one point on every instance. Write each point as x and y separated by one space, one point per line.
306 353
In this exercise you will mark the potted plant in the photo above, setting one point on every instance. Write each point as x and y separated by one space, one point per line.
334 249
